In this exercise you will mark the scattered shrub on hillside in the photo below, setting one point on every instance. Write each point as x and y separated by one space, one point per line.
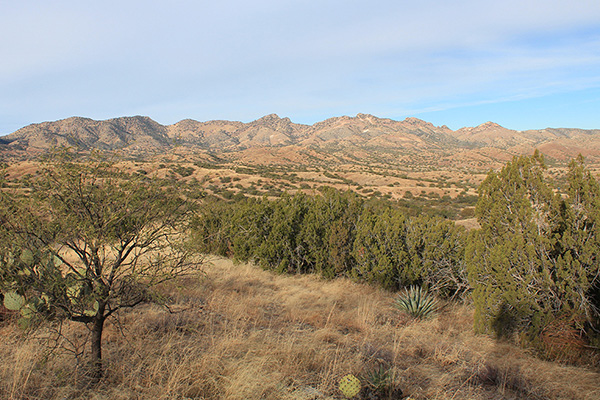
184 171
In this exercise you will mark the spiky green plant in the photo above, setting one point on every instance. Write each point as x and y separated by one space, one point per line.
416 302
379 379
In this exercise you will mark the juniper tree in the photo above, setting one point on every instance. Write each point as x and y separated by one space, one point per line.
380 249
324 240
577 249
436 249
87 242
509 268
279 248
535 257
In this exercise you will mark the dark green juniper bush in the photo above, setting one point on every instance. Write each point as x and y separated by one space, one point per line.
536 257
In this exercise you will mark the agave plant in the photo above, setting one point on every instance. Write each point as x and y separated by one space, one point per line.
416 302
378 379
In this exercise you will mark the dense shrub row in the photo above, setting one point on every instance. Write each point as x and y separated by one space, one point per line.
337 234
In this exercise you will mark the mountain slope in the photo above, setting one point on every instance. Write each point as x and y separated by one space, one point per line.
135 133
364 137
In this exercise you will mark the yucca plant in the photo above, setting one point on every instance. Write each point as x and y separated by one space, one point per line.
380 384
379 379
416 302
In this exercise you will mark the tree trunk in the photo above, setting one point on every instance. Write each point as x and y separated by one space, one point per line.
96 357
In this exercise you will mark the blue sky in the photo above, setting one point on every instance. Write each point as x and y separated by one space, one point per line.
524 64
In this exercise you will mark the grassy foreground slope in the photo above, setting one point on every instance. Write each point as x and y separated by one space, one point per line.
238 332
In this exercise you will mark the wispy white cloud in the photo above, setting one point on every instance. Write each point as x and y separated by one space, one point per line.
237 59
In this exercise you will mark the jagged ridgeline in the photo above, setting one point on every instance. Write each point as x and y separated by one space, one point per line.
364 137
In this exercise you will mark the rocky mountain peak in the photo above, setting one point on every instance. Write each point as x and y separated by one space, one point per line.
416 121
273 121
490 125
485 127
269 119
367 118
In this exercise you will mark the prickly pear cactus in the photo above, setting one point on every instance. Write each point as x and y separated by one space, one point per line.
27 257
92 311
349 386
22 267
27 311
24 323
13 301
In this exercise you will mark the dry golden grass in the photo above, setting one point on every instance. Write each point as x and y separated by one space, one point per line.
242 333
386 184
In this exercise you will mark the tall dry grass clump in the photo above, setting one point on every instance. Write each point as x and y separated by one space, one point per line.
238 332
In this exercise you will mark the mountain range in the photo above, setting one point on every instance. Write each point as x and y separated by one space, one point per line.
271 139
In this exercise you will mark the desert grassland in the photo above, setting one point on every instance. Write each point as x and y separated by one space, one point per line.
238 332
394 183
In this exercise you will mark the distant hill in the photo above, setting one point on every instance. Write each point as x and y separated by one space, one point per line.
271 139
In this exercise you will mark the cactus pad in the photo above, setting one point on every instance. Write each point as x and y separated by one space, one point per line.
27 257
349 386
13 301
28 311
